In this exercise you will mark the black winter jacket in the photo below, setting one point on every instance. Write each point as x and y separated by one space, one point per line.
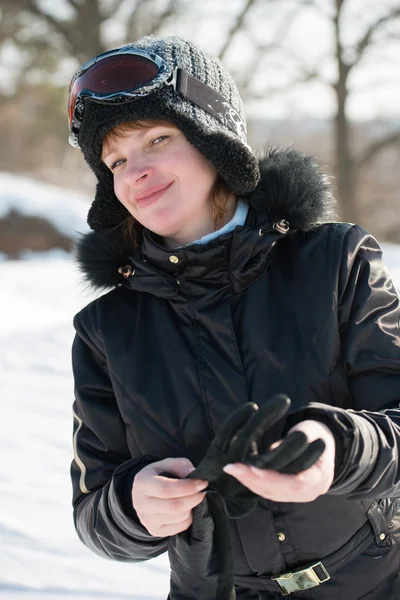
162 359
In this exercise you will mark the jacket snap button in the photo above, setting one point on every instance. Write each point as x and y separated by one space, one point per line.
382 536
282 226
126 271
174 259
281 536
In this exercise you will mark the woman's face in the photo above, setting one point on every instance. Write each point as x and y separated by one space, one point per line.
163 181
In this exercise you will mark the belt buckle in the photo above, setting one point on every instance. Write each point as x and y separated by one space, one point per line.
301 579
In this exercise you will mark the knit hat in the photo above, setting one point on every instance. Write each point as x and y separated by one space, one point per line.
227 150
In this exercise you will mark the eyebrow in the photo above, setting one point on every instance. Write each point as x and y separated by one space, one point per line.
112 145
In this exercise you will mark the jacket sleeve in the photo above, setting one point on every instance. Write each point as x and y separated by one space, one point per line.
368 432
103 468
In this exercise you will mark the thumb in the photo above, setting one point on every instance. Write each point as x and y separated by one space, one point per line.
180 467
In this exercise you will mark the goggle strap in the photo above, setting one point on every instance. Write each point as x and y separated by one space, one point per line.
208 99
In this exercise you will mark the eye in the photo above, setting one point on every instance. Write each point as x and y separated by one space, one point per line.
115 164
159 139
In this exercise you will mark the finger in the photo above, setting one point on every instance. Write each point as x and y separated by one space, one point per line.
231 426
157 520
180 467
176 506
159 528
173 519
260 422
210 467
168 530
165 487
305 486
278 487
291 448
307 459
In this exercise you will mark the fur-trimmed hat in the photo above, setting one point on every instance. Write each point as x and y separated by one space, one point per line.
227 150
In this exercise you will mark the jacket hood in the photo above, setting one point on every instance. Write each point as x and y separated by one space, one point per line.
291 187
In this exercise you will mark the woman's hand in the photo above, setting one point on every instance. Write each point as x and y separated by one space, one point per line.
163 505
303 487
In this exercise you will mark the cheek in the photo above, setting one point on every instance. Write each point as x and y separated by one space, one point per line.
204 172
172 162
119 190
197 169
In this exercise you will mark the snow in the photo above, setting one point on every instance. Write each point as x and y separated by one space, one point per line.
65 209
41 554
42 557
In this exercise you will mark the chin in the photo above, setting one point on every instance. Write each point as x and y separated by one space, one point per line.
164 229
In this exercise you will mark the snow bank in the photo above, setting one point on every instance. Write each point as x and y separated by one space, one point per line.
65 209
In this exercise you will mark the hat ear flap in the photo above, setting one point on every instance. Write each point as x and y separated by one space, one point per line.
106 211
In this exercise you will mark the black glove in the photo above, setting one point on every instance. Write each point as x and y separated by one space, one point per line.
238 440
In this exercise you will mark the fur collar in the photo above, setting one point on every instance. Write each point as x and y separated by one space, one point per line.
291 187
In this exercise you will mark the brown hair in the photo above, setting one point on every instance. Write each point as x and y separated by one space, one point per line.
220 193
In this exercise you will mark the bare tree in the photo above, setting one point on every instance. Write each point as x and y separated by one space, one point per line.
348 163
44 36
348 58
81 34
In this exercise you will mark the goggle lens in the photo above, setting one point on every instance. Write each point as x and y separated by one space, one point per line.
111 75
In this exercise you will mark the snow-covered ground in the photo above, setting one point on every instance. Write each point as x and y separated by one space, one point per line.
64 208
41 557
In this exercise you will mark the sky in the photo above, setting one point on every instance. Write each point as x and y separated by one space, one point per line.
41 556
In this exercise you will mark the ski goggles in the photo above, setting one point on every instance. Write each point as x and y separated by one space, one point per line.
125 74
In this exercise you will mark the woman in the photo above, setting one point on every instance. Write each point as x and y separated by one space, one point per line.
230 283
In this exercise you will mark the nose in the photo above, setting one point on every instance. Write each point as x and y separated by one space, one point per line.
138 171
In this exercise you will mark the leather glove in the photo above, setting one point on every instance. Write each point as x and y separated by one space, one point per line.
238 440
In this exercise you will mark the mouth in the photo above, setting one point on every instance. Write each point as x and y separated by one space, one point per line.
155 194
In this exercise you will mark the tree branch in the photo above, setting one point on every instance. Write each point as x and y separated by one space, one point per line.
342 65
170 11
282 89
366 39
376 147
130 23
57 25
263 49
74 4
112 9
235 28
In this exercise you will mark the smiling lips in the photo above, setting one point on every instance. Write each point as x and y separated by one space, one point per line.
151 195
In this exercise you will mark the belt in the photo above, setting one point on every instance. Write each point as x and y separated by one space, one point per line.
318 572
